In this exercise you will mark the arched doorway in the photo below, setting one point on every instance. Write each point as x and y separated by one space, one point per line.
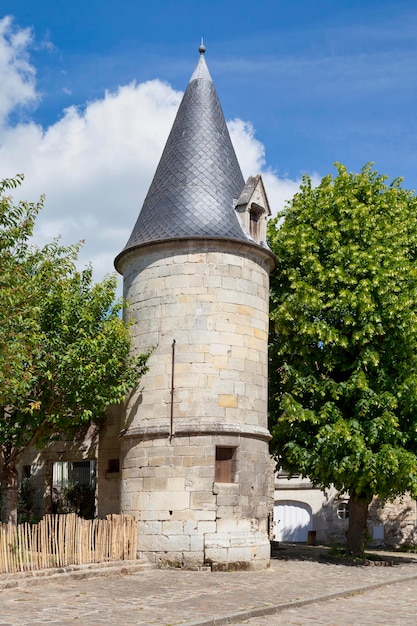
292 521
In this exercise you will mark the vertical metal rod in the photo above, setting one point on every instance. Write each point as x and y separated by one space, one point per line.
171 426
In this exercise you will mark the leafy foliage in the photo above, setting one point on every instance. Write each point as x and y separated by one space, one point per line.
344 340
64 349
76 498
25 503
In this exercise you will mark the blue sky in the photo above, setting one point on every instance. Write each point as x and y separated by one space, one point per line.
89 91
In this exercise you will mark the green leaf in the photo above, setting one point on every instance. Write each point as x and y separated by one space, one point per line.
343 345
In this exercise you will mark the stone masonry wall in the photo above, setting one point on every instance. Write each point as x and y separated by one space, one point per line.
212 299
187 519
108 463
215 305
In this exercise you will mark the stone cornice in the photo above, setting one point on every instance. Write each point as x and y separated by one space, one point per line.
234 246
195 430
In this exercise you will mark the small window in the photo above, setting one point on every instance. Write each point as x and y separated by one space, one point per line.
27 471
343 510
225 464
66 473
255 214
113 466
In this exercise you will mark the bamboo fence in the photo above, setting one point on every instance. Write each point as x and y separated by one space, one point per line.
60 540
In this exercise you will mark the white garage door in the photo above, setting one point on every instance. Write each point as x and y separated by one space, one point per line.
292 521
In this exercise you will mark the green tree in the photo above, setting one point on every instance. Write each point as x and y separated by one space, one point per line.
344 339
64 349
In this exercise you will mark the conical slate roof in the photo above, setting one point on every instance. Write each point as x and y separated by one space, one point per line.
198 179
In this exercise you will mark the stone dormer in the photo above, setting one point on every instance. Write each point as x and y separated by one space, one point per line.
253 209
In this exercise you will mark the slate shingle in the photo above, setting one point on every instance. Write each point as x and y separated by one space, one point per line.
198 179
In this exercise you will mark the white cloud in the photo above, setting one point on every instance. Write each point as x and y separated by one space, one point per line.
96 163
252 159
17 75
250 151
94 166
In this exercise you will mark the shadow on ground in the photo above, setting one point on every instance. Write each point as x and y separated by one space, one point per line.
325 554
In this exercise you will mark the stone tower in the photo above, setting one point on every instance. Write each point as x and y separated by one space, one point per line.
194 444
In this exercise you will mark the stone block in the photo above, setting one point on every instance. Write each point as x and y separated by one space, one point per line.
227 525
239 539
227 500
197 515
196 482
225 326
190 527
183 448
253 343
161 559
155 484
173 528
225 512
212 281
227 489
237 365
225 387
151 543
227 401
196 256
201 461
202 500
178 259
151 528
157 471
262 552
165 500
245 329
163 543
150 515
197 545
218 362
261 334
242 554
176 483
174 543
207 472
145 471
132 473
217 540
176 466
204 527
229 283
204 442
215 555
139 500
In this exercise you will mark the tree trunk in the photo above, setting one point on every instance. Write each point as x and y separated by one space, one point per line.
9 490
356 534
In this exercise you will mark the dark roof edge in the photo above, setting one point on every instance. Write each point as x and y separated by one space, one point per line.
261 250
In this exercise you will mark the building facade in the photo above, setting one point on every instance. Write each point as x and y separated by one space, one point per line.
188 455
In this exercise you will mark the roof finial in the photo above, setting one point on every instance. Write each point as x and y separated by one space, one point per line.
202 47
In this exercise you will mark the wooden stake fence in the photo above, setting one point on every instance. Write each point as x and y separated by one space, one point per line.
60 540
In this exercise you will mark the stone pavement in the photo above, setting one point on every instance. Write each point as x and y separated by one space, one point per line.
303 586
391 604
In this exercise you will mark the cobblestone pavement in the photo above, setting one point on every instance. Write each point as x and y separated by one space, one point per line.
393 604
335 592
